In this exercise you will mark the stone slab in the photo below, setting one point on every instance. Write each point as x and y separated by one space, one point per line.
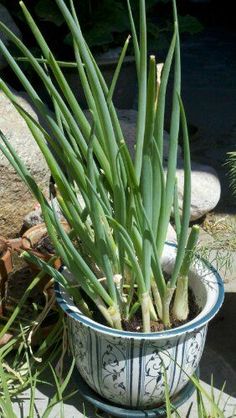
16 200
76 407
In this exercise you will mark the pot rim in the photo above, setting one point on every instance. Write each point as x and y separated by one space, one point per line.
68 306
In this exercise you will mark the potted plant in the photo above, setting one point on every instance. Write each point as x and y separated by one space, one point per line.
137 307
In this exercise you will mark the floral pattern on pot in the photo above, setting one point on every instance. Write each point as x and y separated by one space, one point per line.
129 368
130 372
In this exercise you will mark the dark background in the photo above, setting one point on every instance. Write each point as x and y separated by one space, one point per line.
208 62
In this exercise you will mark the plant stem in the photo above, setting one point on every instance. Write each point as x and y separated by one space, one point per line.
173 148
103 309
153 314
181 305
146 178
142 97
135 39
186 211
176 211
115 316
157 299
166 306
133 311
82 305
145 304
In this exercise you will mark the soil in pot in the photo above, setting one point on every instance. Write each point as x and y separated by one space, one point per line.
135 325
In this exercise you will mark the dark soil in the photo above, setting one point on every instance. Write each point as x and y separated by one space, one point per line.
2 248
44 246
135 325
17 284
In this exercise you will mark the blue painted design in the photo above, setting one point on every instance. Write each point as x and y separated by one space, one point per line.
131 371
182 361
140 369
99 366
174 364
90 350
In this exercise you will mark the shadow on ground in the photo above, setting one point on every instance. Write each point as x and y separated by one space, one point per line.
219 361
219 357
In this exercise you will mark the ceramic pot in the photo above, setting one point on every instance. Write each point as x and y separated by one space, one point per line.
127 368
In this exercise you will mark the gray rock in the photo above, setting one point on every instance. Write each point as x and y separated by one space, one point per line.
171 234
35 217
15 198
6 18
206 189
128 120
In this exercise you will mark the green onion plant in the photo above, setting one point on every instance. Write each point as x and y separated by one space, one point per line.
119 224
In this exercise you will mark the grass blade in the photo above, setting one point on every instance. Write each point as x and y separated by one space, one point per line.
142 91
173 144
135 38
117 71
186 212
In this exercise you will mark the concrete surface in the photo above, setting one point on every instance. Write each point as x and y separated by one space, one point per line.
219 361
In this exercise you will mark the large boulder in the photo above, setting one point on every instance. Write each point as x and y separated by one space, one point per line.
171 234
206 189
15 198
127 118
128 124
6 18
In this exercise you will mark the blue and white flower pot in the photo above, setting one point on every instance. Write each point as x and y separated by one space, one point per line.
127 368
